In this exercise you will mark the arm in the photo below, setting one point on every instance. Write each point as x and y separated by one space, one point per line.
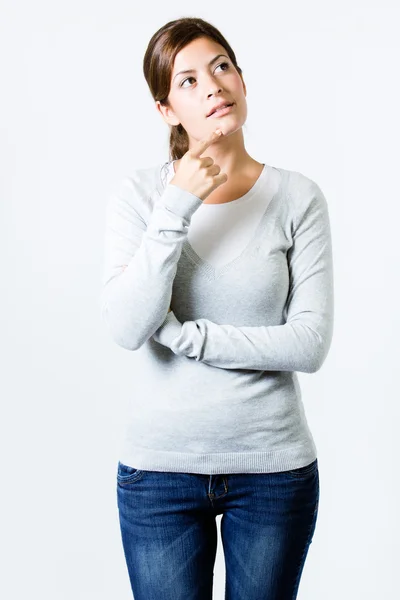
141 260
302 343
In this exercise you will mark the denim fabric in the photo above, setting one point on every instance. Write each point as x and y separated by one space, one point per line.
169 531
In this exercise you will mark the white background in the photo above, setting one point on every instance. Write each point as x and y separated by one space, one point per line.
76 116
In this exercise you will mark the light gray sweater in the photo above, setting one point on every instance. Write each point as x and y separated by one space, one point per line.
214 383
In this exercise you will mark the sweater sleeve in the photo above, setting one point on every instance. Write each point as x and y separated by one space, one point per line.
303 342
134 300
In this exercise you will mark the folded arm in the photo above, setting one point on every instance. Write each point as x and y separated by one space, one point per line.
303 342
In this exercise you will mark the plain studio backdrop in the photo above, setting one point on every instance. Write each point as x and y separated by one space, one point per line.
76 117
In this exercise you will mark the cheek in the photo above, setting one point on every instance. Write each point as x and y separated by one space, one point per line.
189 109
239 89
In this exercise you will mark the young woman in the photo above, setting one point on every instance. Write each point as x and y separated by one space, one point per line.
219 275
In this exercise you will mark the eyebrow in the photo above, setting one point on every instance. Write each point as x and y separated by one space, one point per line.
209 64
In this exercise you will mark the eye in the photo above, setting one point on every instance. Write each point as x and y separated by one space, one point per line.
220 65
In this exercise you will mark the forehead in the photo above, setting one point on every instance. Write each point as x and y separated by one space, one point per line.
196 54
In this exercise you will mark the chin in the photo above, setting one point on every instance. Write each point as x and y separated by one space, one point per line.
230 128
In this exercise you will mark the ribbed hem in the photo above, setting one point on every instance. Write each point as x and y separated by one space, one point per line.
219 463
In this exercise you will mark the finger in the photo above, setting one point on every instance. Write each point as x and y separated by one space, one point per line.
203 144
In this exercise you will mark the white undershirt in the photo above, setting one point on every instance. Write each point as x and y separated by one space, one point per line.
218 233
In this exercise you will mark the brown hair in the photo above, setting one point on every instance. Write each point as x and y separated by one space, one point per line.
158 64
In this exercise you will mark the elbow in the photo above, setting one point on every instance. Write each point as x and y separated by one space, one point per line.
118 336
123 342
312 366
316 354
314 349
130 337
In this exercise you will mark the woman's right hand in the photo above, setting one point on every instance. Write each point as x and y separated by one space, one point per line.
200 176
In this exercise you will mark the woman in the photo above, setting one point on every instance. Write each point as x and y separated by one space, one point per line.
221 315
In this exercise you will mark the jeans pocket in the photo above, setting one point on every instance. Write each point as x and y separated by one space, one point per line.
127 474
303 471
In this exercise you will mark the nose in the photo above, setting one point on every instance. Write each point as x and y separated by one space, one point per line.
215 92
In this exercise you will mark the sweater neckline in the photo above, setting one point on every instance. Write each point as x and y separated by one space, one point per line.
213 272
255 187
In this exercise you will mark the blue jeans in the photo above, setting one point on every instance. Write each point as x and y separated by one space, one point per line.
169 531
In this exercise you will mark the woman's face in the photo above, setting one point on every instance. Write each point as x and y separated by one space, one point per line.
192 95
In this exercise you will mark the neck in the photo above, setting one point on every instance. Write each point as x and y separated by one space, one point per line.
230 154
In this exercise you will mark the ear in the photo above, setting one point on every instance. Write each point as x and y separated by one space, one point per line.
167 113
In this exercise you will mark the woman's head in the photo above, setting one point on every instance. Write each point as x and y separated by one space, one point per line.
185 99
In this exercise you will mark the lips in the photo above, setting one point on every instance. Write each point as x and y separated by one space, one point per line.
220 105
